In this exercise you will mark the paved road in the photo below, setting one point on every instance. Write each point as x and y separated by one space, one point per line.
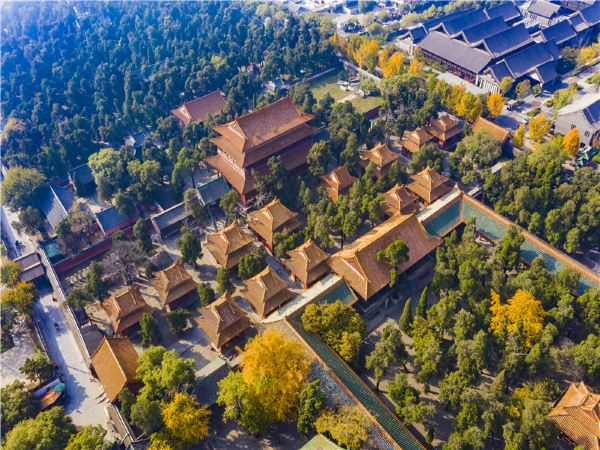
85 397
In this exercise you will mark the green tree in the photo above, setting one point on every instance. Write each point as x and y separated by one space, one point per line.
427 346
347 426
188 160
125 203
310 403
427 156
349 156
18 404
587 355
588 305
89 438
252 263
318 158
145 414
228 204
505 85
19 298
406 401
394 255
469 439
142 235
22 187
406 318
224 283
186 422
94 283
164 373
10 273
509 250
338 324
109 167
523 88
475 153
189 246
30 220
422 306
178 320
192 204
206 294
49 430
37 367
149 330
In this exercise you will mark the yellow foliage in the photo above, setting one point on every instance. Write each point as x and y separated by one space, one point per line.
348 427
586 55
185 420
519 137
539 126
469 106
571 142
495 104
392 65
415 66
274 368
366 54
522 313
454 97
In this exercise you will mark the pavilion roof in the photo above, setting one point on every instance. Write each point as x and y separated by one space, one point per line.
266 291
228 244
498 132
222 320
196 110
400 200
272 218
115 362
429 184
125 307
380 155
173 283
307 262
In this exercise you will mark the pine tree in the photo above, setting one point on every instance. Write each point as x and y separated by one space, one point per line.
406 318
422 306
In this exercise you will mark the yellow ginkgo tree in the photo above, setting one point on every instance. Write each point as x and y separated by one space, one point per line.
571 142
522 313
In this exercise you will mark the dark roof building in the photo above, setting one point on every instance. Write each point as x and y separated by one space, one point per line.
111 220
562 33
55 204
82 179
211 192
545 13
223 320
196 110
170 220
583 114
31 266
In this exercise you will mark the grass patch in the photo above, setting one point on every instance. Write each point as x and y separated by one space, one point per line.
322 85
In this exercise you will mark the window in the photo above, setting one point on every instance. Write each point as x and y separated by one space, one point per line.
587 133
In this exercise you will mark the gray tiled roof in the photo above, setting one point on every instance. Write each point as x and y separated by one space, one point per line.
578 22
212 191
507 10
434 22
110 218
547 71
455 51
171 216
472 18
500 71
559 32
591 14
82 173
544 9
589 104
483 30
508 41
417 33
55 204
533 56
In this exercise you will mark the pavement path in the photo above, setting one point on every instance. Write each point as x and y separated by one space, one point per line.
86 400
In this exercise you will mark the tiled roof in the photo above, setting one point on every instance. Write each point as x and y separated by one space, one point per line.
501 134
548 71
507 41
506 10
429 185
460 23
577 414
543 8
229 244
591 14
357 263
223 320
111 218
320 442
578 22
307 262
417 33
414 140
82 173
338 181
212 191
269 124
55 206
173 283
456 52
172 216
559 32
125 308
196 110
380 155
115 362
526 60
481 31
445 127
400 200
266 291
272 218
434 22
588 104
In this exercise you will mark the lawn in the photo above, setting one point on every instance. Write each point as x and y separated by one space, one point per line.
328 83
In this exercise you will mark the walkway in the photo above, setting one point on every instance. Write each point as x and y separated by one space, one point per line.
85 396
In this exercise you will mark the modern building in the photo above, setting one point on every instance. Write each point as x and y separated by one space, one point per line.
577 415
583 114
381 157
266 292
338 182
429 185
399 200
114 363
174 285
229 244
246 143
223 320
125 308
271 219
196 111
307 263
357 262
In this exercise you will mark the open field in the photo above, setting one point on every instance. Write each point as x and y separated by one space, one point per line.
328 83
